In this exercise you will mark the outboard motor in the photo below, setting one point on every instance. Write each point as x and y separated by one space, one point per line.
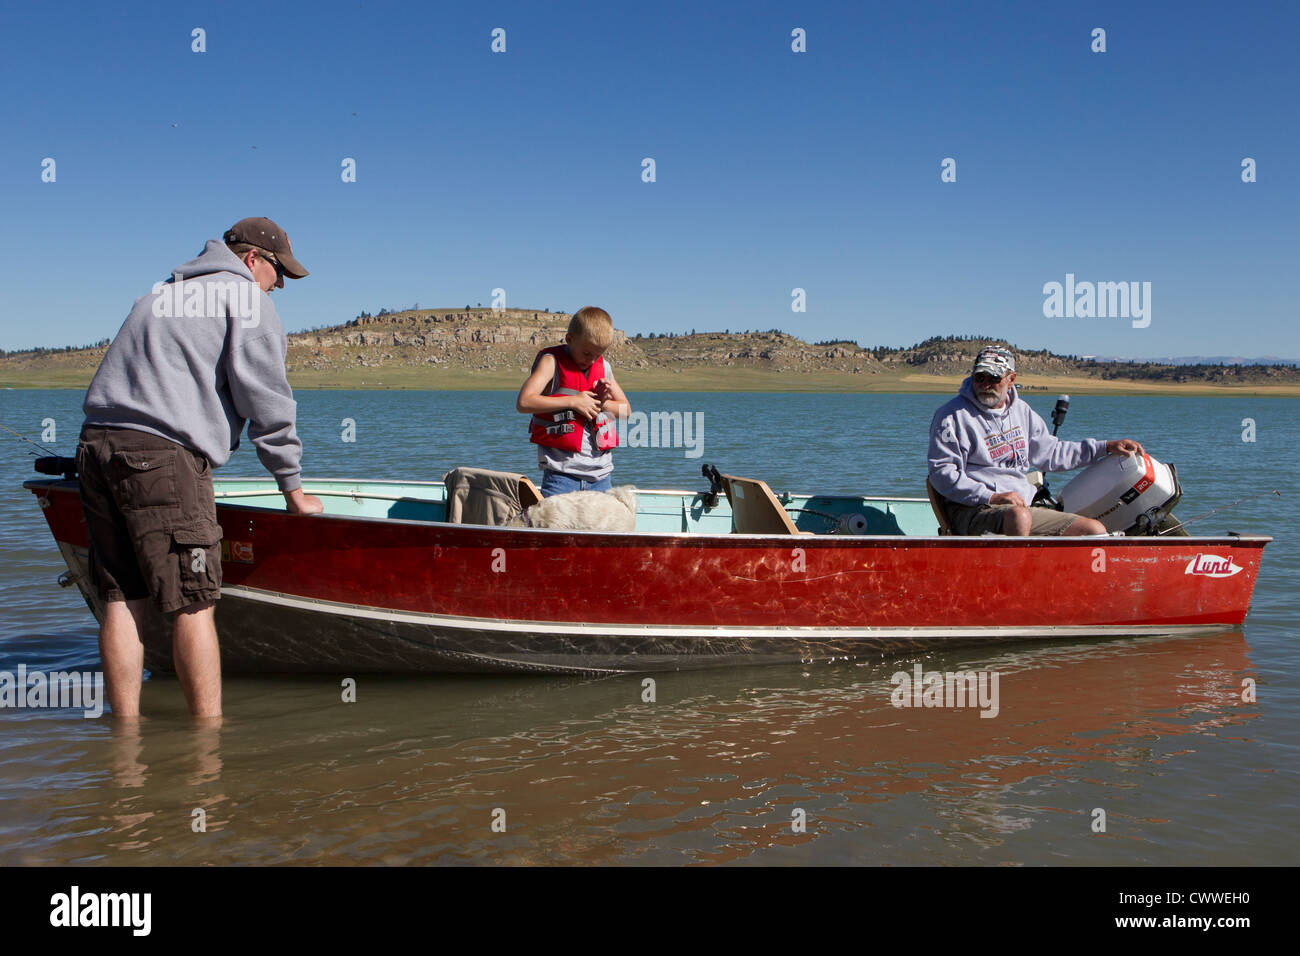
1129 493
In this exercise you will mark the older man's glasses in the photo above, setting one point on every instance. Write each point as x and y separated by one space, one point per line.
984 378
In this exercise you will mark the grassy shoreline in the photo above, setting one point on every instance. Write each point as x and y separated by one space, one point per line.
694 380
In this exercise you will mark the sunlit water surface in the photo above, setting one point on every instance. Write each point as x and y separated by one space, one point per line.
771 765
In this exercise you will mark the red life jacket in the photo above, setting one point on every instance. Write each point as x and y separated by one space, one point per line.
564 429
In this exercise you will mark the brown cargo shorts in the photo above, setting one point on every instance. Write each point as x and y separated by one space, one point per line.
987 519
151 516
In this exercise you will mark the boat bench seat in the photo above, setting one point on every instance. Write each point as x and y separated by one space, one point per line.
479 496
754 509
936 502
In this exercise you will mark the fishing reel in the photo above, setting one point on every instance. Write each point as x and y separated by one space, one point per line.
1145 525
57 465
1157 522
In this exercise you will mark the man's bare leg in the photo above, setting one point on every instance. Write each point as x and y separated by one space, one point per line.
122 655
1081 526
198 658
1017 521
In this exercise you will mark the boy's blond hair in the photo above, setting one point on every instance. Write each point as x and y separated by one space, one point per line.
592 325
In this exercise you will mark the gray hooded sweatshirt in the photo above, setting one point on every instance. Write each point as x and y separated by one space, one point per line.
195 359
976 451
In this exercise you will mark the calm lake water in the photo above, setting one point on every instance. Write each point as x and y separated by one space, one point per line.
719 767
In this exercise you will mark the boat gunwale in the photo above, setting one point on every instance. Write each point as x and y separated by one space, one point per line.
681 492
819 540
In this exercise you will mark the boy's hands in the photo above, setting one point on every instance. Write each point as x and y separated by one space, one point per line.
612 400
586 404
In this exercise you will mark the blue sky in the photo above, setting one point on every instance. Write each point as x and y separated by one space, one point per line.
774 169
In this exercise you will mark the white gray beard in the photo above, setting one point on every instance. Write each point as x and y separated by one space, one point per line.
989 401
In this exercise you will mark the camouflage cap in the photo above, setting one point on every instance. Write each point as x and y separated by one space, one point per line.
995 361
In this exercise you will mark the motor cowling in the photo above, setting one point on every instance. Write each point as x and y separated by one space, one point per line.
1129 493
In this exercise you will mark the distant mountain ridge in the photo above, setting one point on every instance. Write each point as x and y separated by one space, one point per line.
1205 360
482 340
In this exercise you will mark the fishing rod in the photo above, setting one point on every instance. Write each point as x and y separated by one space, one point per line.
30 442
52 463
1183 524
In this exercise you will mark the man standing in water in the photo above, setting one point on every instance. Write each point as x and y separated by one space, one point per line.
195 359
985 441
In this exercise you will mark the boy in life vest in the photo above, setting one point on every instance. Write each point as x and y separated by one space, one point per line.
574 401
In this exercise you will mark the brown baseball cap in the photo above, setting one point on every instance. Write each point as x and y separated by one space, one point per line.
265 234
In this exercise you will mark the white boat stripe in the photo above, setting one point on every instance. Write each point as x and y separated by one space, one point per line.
427 619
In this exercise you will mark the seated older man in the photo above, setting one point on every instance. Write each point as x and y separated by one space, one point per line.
984 442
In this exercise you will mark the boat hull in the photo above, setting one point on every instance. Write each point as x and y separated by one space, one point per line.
334 594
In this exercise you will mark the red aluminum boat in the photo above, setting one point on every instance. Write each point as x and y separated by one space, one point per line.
383 582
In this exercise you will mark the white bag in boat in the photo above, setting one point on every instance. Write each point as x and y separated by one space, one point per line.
1121 491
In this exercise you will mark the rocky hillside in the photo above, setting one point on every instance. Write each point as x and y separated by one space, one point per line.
476 339
952 356
481 339
772 350
484 340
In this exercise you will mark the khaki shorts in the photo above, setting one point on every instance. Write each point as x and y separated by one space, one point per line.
152 518
987 519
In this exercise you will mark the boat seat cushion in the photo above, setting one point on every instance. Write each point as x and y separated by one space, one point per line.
754 509
479 496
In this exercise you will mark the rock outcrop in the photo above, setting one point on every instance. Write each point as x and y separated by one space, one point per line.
508 339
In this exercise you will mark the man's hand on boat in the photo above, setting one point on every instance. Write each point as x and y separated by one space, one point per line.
301 504
1126 446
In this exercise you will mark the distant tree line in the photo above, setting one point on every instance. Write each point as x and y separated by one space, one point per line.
43 350
679 335
416 308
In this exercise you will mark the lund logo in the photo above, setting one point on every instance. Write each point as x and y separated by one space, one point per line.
240 551
1212 566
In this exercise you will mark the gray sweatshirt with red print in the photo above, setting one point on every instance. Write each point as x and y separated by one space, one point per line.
197 358
977 452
